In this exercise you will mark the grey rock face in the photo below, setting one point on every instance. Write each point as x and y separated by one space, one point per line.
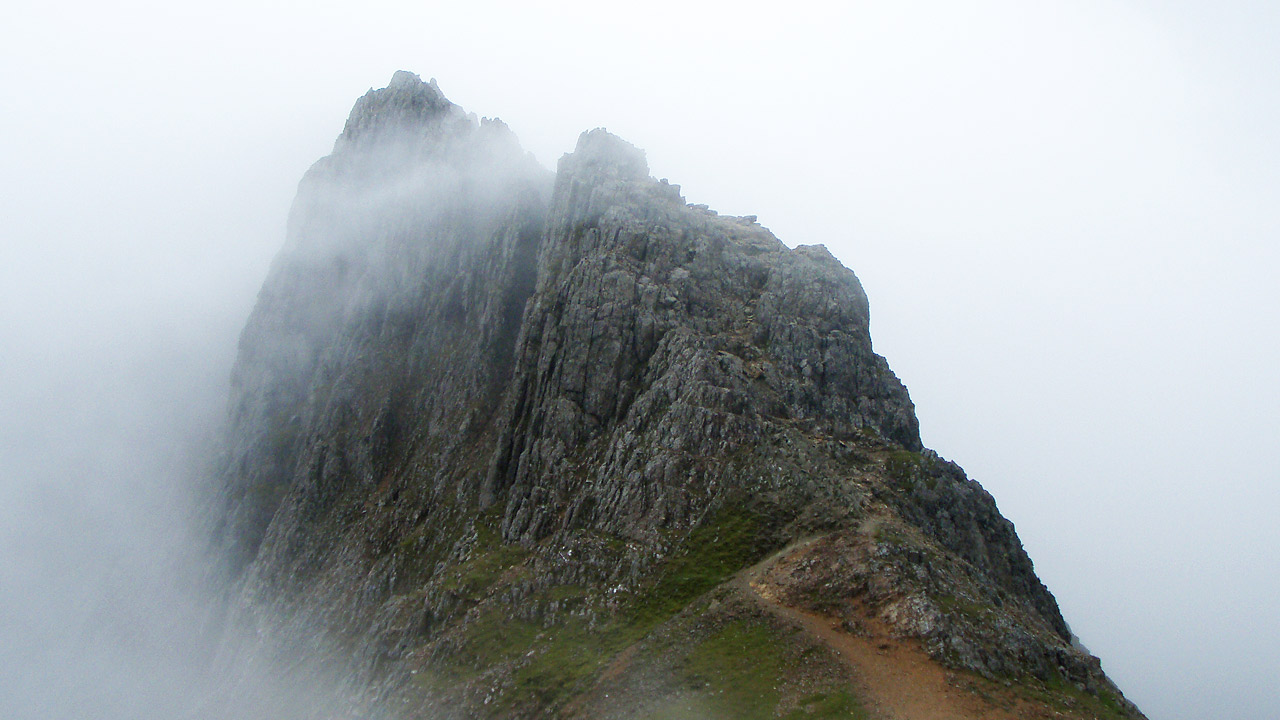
391 314
662 335
451 336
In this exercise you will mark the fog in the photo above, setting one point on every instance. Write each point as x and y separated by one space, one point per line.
118 336
1063 213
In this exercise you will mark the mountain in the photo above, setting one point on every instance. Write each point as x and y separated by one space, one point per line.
510 444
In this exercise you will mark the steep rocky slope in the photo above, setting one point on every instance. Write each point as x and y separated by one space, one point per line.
508 444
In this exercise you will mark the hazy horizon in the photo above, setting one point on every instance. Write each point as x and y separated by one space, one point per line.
1063 215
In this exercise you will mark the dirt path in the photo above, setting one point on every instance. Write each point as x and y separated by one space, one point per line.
894 677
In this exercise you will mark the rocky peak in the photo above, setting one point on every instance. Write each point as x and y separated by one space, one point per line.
601 154
406 104
536 441
405 79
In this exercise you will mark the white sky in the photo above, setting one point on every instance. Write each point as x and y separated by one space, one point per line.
1064 214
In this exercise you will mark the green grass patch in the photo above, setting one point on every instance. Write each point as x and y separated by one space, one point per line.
953 605
494 637
828 706
566 592
731 541
1058 692
489 558
741 667
420 551
565 658
902 464
741 672
569 655
888 534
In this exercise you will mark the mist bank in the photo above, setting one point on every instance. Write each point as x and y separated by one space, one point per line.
116 359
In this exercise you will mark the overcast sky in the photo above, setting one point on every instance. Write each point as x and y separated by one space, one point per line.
1065 215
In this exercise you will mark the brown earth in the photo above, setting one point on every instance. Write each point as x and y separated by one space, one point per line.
893 676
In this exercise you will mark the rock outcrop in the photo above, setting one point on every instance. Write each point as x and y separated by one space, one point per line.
516 445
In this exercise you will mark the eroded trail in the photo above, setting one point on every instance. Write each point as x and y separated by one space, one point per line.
893 676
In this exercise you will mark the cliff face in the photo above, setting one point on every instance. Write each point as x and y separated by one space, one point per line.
518 445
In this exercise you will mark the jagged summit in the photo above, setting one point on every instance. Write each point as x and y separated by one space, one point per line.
406 79
599 150
524 446
406 104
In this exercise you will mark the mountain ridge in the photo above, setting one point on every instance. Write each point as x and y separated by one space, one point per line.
507 432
